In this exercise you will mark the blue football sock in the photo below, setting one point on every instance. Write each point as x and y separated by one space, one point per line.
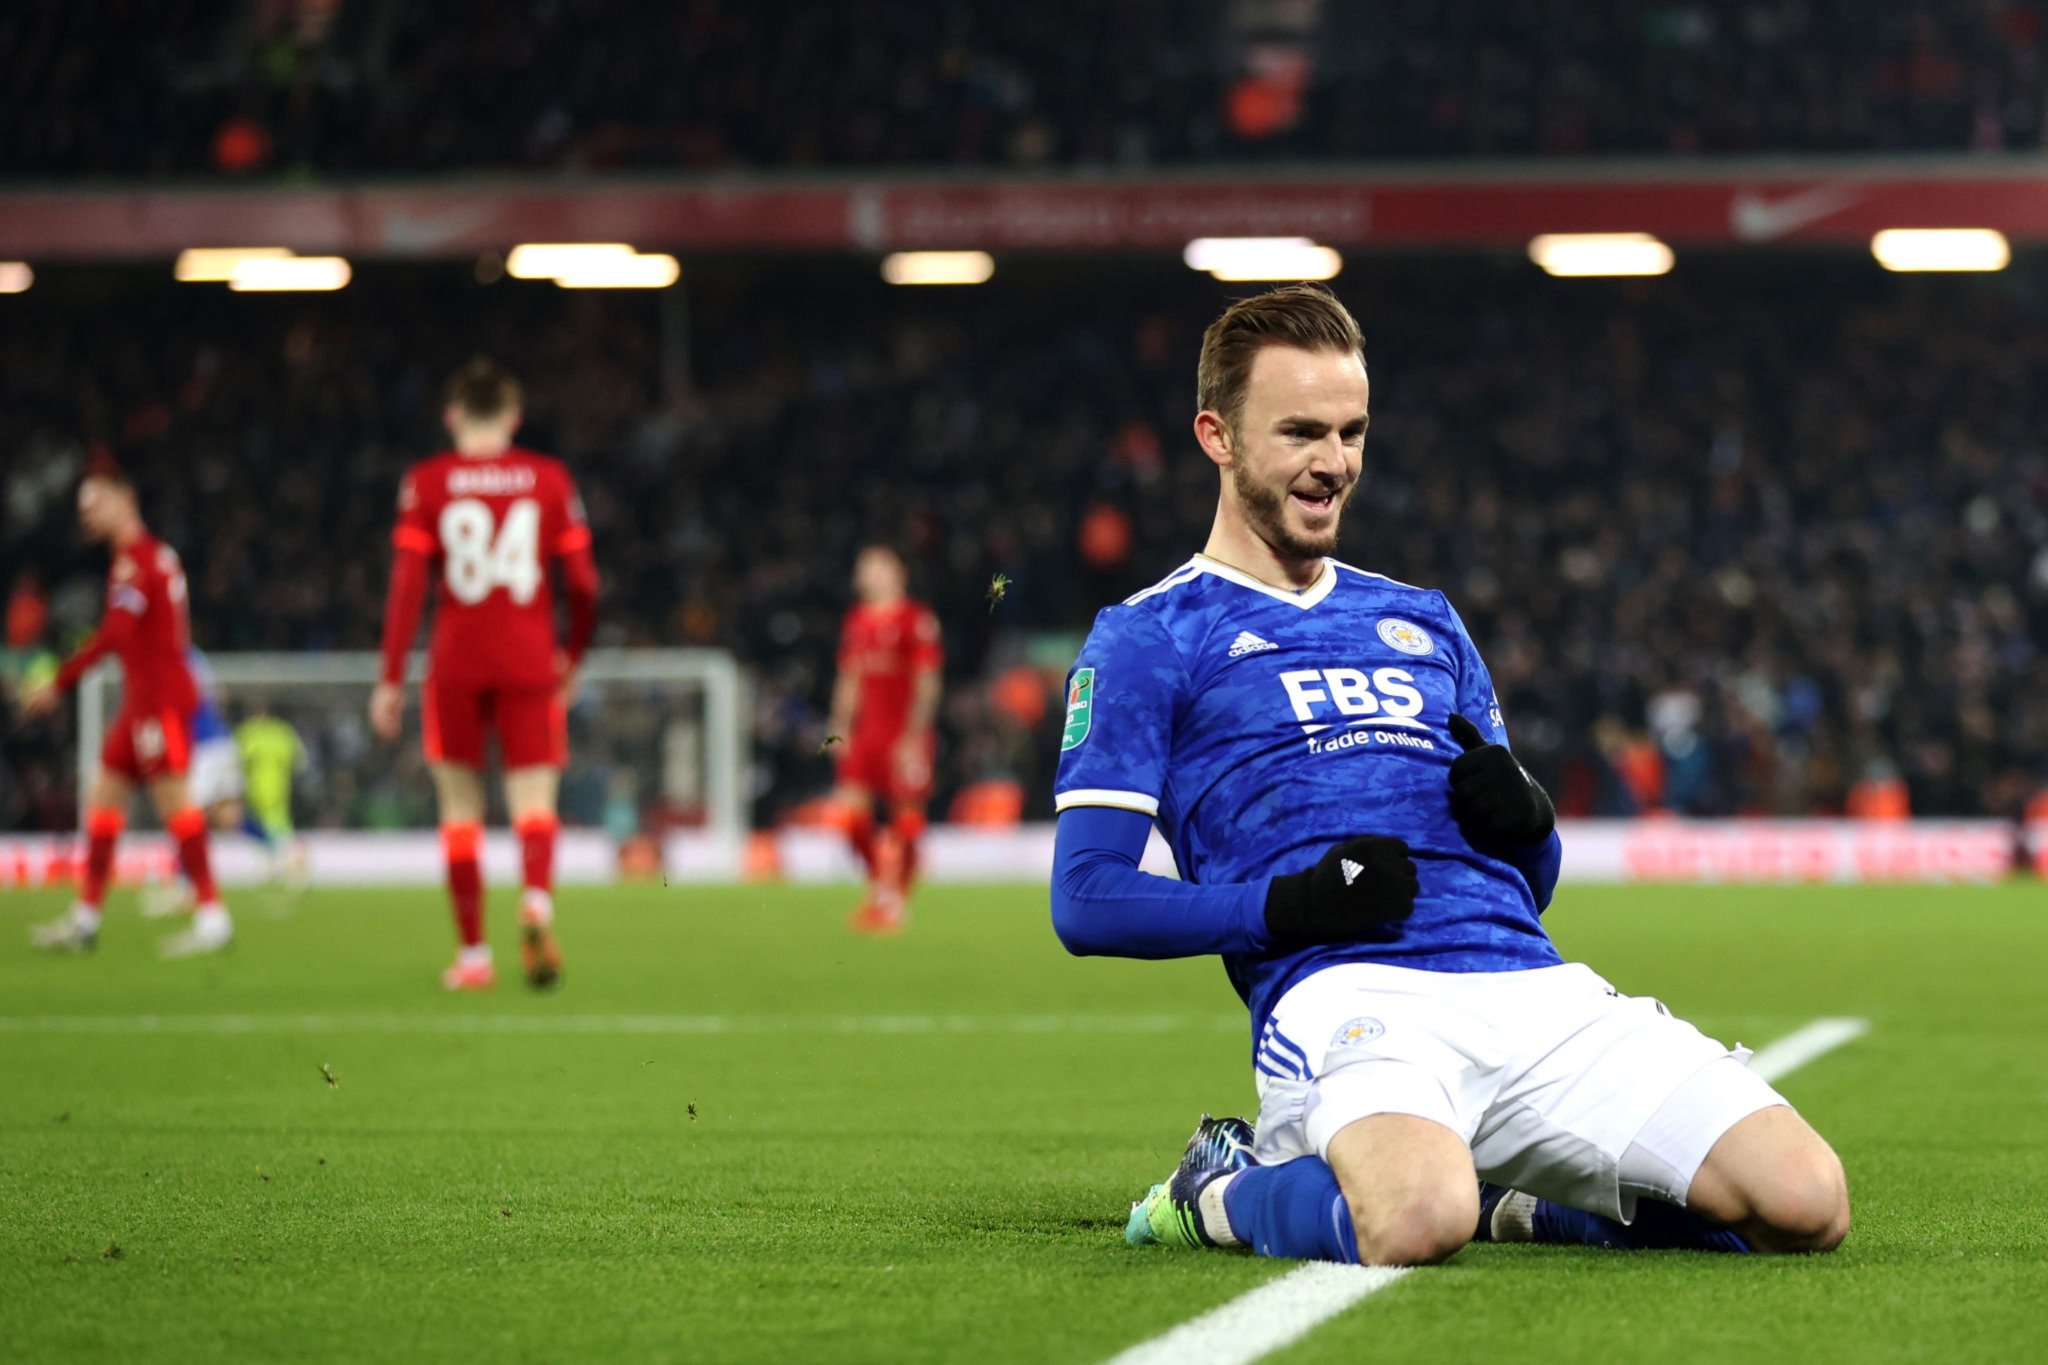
258 831
1293 1210
1658 1227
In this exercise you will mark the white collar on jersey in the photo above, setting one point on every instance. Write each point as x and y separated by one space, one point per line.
1305 598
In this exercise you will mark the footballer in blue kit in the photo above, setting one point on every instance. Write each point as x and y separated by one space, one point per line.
1323 751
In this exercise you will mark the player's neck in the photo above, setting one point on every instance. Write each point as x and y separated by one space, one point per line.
1233 543
481 448
127 534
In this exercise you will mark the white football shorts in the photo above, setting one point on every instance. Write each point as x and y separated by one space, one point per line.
1550 1075
216 773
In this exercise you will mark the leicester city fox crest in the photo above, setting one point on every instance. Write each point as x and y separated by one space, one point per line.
1406 636
1358 1031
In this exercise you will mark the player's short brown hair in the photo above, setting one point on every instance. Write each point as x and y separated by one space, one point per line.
106 469
1307 316
483 389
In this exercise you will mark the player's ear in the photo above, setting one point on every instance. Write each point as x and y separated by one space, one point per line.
1212 433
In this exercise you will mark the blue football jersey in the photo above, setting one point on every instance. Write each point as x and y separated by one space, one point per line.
207 722
1259 726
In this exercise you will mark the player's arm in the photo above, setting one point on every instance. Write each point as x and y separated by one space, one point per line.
927 662
413 547
579 587
1502 810
924 700
927 677
845 686
1114 753
126 604
1105 905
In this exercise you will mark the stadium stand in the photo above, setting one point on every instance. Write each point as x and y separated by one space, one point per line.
348 88
1791 514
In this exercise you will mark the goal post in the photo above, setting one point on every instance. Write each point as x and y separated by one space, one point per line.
660 738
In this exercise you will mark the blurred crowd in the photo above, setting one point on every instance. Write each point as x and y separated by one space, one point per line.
1768 535
305 89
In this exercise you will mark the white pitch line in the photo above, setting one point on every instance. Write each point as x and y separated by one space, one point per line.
1796 1049
1278 1313
680 1024
1285 1309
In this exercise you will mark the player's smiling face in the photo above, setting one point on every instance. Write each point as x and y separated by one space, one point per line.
1299 447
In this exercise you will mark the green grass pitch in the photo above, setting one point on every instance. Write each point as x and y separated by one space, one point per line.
912 1150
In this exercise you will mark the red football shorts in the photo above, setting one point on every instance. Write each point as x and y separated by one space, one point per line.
145 744
531 724
869 760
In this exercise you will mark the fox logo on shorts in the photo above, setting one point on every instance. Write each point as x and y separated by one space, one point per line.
1358 1031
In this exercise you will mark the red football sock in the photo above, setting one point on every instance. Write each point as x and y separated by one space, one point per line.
909 827
188 827
860 832
462 842
537 850
103 825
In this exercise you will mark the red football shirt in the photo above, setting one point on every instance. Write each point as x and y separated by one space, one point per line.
490 528
145 624
886 647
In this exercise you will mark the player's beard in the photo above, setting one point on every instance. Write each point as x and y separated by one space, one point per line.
1265 508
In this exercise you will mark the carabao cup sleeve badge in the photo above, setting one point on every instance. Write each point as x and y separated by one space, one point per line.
1080 708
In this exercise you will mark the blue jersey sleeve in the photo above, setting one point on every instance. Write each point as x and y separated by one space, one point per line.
1478 703
1114 754
1121 698
1103 904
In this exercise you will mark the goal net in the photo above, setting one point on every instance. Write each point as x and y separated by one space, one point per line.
657 775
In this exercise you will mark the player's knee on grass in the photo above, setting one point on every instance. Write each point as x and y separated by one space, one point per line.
1775 1179
1802 1204
1423 1228
1410 1187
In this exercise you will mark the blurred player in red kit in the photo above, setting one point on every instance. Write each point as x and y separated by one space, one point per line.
883 705
489 520
149 741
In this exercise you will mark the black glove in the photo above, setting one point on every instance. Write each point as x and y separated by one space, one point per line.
1495 800
1359 885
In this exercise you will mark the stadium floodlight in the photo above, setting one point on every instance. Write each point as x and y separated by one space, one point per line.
652 271
290 274
1584 255
938 267
551 260
216 264
1262 258
1910 249
15 277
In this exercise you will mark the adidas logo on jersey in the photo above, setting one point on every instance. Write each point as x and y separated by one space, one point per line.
1248 643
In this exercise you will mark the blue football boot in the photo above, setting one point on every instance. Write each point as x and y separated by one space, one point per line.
1168 1214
